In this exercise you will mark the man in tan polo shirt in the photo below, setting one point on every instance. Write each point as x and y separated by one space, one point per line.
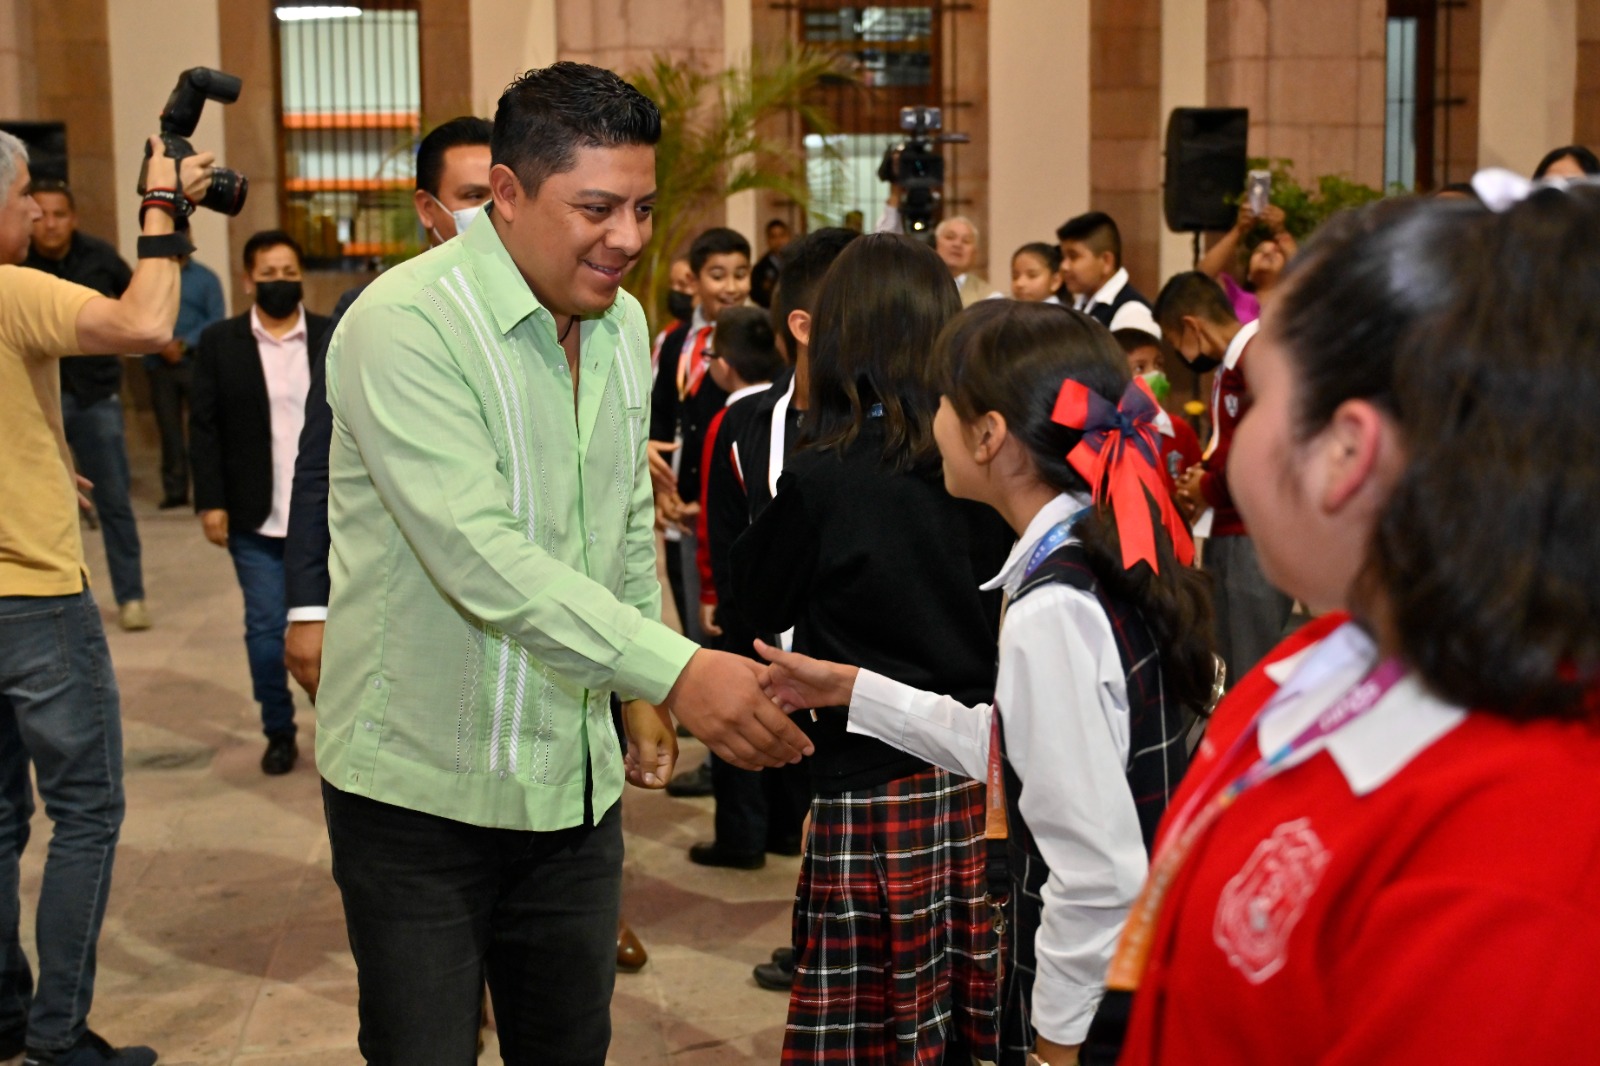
58 698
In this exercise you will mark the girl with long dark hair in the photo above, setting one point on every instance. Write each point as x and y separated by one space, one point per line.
867 558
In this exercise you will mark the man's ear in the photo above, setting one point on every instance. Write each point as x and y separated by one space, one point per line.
424 205
1108 259
507 191
800 326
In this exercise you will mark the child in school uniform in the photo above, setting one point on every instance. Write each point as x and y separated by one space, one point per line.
1199 324
1103 647
1036 274
1091 258
685 399
1386 848
869 560
1180 447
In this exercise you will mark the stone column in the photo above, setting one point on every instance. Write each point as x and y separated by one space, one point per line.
1038 169
1528 80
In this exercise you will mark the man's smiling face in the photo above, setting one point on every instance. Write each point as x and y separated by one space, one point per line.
576 237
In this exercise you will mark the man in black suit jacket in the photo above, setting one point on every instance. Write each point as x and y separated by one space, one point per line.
247 405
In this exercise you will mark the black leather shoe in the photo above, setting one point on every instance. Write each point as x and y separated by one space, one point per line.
92 1050
711 853
775 976
173 502
784 957
281 754
694 783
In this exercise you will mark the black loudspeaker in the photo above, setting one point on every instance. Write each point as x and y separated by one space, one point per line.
1205 165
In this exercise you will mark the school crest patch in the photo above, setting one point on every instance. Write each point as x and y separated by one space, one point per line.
1231 402
1263 902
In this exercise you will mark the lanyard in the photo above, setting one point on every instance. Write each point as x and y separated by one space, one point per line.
996 824
1133 949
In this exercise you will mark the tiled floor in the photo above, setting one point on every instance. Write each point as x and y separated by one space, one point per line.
224 941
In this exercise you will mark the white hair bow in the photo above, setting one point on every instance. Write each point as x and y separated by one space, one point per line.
1500 188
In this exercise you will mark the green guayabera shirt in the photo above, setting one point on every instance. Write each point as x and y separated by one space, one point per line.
493 559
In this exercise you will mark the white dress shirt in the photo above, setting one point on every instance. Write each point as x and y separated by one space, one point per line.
1064 699
1131 315
286 365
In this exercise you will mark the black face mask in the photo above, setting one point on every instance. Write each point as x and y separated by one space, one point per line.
278 299
1203 364
680 305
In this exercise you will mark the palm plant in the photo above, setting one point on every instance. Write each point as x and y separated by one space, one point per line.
712 144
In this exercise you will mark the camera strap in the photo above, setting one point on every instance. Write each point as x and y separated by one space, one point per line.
171 201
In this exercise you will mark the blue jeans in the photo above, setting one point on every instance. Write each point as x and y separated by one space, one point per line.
59 711
258 562
434 906
94 433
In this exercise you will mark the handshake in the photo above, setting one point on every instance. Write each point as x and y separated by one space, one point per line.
738 707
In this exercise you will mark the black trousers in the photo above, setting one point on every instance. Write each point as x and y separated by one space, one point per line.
169 395
434 906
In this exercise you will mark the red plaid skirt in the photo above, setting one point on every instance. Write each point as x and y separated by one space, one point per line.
894 944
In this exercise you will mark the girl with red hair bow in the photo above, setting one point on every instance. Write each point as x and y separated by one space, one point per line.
1104 649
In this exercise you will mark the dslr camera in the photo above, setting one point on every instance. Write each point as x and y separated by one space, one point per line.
917 167
228 188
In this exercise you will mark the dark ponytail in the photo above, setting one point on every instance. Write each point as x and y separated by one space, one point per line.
1011 358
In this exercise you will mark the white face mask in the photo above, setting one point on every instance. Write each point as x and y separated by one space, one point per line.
463 218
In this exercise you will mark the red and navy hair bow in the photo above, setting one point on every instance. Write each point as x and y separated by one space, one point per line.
1120 457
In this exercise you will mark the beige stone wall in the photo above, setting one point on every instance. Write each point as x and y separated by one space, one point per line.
1529 66
1312 74
625 35
70 81
19 73
1125 129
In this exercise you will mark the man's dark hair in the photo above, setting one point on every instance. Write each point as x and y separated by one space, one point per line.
776 223
547 114
55 185
468 129
745 342
804 263
718 240
269 238
1095 229
1576 152
1191 293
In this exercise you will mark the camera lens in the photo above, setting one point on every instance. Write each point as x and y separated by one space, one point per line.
227 192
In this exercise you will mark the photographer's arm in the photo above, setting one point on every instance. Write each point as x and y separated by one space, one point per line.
141 320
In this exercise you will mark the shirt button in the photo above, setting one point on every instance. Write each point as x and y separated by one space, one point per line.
367 725
592 538
377 682
502 775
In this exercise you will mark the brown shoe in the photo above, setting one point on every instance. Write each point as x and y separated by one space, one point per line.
133 616
631 955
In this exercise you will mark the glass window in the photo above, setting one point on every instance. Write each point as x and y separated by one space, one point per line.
350 90
1400 105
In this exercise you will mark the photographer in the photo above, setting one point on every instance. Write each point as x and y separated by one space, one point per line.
58 698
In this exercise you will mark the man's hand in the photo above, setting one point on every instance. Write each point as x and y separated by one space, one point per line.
1246 219
1274 217
172 353
718 697
797 682
669 510
85 486
687 514
302 652
215 524
662 479
652 744
708 620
